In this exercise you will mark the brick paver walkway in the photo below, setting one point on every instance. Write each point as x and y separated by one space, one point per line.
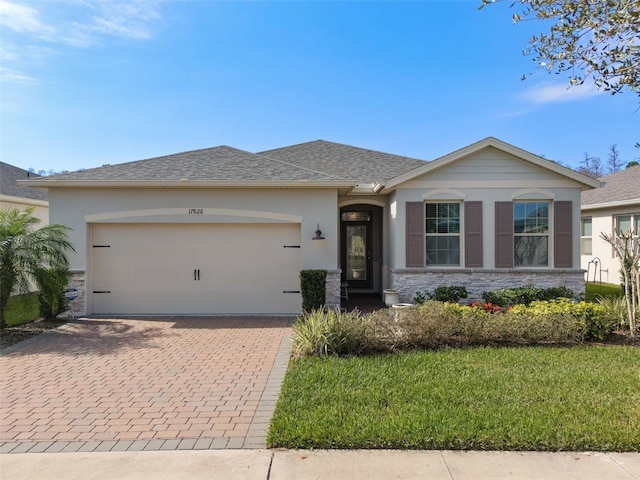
144 384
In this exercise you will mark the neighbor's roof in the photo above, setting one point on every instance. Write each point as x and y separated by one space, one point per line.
353 163
210 165
620 188
9 176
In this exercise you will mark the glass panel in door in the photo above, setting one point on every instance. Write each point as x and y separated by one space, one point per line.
356 250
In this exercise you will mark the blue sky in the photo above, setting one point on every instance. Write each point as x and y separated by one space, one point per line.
85 83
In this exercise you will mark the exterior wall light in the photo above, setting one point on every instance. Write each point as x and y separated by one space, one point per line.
318 233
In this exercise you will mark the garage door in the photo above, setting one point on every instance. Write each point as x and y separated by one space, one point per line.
195 269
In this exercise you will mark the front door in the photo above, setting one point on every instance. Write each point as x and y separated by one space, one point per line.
356 253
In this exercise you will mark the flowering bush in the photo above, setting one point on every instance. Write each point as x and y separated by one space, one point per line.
489 307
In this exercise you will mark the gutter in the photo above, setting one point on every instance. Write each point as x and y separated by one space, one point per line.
183 183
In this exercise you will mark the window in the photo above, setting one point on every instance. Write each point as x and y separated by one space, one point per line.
624 222
443 233
531 234
585 236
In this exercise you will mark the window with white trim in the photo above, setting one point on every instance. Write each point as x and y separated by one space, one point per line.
531 234
585 236
442 233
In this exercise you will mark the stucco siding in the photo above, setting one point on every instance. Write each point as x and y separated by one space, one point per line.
80 208
77 208
607 269
41 207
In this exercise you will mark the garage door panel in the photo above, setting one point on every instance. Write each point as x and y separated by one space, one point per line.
243 269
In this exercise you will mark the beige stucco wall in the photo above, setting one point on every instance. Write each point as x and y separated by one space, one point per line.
41 207
78 208
602 221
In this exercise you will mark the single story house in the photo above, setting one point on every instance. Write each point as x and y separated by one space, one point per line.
14 195
226 231
613 207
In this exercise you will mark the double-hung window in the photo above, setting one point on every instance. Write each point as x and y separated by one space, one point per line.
531 234
585 236
443 233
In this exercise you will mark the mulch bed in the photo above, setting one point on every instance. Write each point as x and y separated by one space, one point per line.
12 335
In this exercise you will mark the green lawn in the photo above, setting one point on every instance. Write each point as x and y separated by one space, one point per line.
597 290
537 398
22 309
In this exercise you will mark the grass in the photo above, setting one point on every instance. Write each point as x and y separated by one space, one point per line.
594 291
22 309
537 398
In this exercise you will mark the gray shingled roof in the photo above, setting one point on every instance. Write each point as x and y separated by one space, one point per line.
353 163
221 163
9 175
620 186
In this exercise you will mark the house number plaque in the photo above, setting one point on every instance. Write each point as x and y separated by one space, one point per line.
196 211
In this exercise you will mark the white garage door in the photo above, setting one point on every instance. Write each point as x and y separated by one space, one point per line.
195 269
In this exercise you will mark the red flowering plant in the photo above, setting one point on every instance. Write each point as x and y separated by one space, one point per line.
489 307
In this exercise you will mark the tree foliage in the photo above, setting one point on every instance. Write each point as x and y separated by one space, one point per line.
25 251
587 38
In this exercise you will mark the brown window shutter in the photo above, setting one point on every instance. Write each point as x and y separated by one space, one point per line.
504 234
473 234
562 234
415 234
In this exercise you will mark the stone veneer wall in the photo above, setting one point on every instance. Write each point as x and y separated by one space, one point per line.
332 288
408 281
77 281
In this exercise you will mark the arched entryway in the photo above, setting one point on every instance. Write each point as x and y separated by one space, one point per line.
361 247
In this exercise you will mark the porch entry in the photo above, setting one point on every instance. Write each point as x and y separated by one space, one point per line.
360 247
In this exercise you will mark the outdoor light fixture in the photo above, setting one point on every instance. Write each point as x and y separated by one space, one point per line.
318 233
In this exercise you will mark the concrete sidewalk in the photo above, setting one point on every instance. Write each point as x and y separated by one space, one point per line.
321 464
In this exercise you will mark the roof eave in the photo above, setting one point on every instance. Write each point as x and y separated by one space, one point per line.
619 203
24 200
185 183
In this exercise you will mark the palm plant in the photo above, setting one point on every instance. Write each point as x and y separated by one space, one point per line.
25 251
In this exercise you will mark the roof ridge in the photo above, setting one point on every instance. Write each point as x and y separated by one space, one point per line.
348 146
300 167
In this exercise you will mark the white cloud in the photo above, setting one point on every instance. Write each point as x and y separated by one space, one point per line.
23 19
34 33
14 76
82 23
554 93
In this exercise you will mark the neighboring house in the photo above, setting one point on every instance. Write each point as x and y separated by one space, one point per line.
613 207
14 195
225 231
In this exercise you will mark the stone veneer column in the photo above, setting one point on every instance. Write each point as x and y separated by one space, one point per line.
77 281
332 288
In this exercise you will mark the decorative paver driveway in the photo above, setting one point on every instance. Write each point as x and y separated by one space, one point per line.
144 384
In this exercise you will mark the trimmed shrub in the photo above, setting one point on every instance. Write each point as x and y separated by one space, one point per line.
452 294
313 289
505 297
592 316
